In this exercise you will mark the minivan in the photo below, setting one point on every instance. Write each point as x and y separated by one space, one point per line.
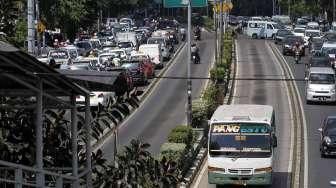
320 86
254 29
154 52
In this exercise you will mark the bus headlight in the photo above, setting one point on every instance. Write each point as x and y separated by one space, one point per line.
263 170
215 169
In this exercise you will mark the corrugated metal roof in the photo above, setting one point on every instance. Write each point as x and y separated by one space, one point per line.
17 66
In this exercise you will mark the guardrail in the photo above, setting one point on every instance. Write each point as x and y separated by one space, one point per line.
21 171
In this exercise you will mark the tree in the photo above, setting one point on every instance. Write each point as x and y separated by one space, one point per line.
7 16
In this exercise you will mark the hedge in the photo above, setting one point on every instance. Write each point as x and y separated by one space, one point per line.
173 151
181 134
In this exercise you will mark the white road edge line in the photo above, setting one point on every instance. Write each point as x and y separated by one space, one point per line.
305 138
236 75
291 116
142 102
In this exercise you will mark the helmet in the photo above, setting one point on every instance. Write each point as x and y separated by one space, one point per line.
297 43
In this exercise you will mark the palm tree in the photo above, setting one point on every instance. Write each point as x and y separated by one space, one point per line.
8 14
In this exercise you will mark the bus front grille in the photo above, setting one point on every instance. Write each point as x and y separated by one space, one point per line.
241 171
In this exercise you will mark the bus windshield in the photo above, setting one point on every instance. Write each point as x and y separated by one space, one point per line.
240 140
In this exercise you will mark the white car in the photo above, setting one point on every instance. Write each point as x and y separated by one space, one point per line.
109 59
330 49
121 52
73 51
313 33
97 97
164 46
299 31
320 85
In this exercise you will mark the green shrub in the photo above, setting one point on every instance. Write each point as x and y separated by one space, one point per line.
173 151
199 113
210 97
218 74
181 134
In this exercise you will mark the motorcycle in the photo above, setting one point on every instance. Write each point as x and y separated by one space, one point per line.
183 37
197 36
194 58
297 56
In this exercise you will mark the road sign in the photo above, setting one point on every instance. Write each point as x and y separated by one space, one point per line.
181 3
40 27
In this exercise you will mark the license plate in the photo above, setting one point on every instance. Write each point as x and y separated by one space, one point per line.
322 98
240 182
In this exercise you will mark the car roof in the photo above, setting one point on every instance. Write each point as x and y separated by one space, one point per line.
329 44
322 70
313 30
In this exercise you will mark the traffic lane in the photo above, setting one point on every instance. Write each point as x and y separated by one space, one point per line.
256 61
165 105
320 170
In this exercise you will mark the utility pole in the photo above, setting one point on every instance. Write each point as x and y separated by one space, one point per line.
220 30
334 13
37 20
31 27
189 83
216 34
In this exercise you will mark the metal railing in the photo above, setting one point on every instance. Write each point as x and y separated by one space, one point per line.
19 180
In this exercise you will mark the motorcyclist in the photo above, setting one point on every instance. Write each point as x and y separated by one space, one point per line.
183 33
194 51
310 40
296 47
198 32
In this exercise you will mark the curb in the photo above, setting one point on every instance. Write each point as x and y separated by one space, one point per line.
200 158
108 132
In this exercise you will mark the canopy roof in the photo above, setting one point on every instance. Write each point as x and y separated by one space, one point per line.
20 73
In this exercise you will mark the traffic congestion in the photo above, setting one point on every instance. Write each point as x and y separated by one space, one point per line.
198 94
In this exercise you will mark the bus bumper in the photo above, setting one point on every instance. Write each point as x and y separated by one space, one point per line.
227 179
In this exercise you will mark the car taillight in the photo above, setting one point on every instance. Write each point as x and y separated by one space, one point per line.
101 95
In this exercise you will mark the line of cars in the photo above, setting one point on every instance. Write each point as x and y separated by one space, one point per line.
319 71
136 53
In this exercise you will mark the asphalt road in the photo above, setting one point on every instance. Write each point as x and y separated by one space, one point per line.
320 170
255 60
164 108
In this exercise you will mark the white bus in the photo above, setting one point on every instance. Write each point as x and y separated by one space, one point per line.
254 29
241 144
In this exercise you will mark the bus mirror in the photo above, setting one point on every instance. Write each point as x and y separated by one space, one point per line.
275 141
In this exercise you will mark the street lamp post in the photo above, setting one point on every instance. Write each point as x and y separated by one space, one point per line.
189 83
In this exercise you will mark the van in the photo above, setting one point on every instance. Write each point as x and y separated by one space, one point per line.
320 86
254 29
154 51
127 37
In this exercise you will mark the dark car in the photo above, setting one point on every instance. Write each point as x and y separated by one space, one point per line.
330 36
281 34
328 136
319 62
316 46
138 72
288 45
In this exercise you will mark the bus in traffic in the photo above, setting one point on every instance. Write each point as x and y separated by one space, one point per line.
241 144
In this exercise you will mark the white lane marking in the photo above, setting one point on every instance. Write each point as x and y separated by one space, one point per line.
236 74
305 137
141 104
291 150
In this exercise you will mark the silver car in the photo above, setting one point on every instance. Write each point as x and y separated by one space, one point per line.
320 86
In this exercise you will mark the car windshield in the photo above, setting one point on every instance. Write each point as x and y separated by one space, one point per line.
155 41
320 63
313 34
284 32
318 78
59 55
299 30
125 45
330 128
329 50
240 140
85 45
